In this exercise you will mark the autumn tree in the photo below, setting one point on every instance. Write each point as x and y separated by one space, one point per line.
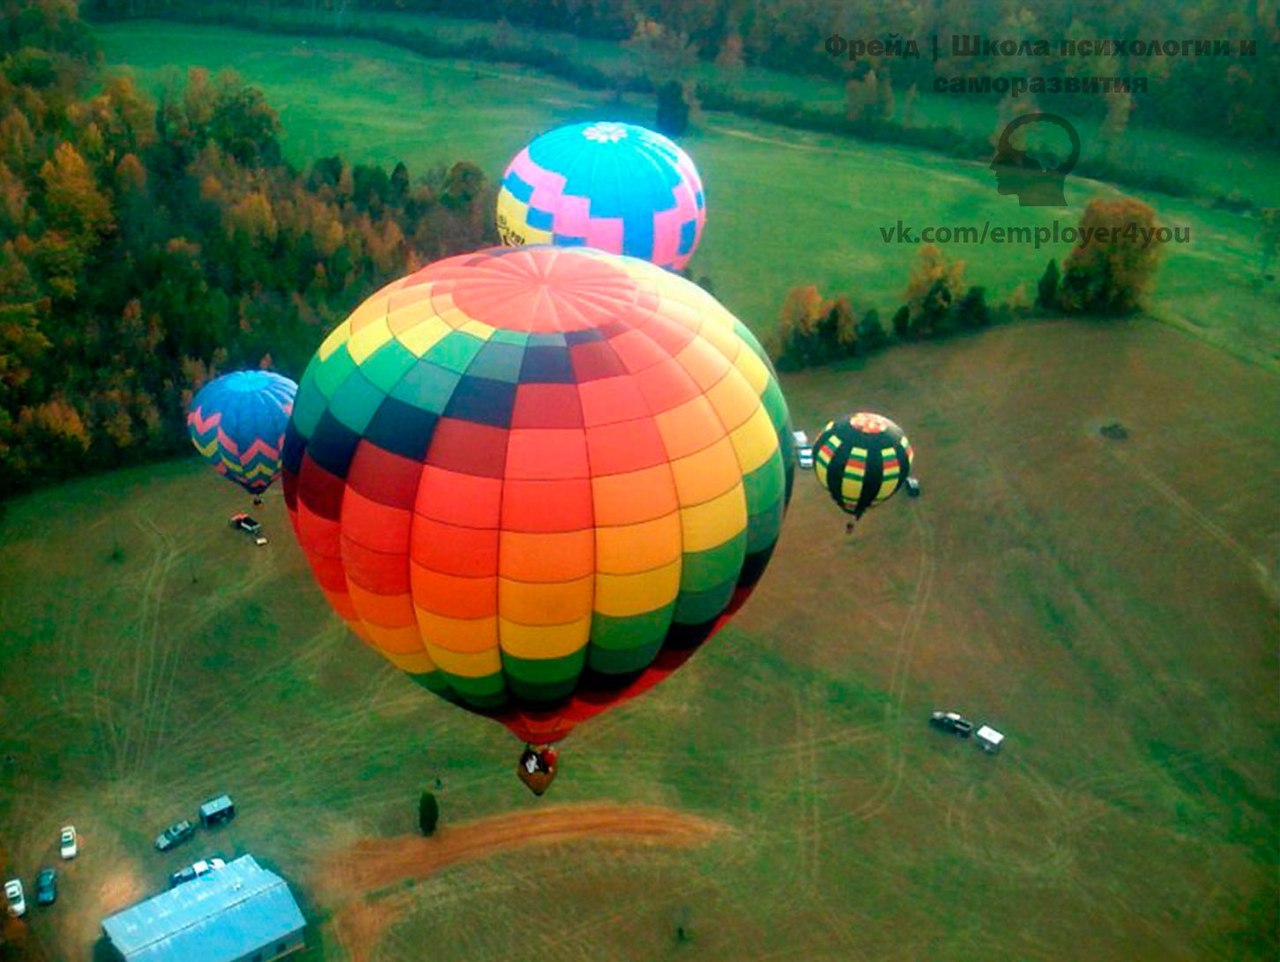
1112 268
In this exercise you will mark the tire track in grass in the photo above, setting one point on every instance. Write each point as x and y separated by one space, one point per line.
901 675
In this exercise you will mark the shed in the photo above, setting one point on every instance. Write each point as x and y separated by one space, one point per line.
988 738
239 913
217 811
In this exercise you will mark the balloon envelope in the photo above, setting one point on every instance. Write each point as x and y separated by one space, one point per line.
861 460
237 422
617 187
537 479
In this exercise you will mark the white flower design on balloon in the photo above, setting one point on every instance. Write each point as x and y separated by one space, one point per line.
605 132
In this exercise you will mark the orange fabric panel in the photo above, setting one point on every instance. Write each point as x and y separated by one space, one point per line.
463 499
467 635
558 603
610 400
627 549
454 550
635 497
546 453
556 556
707 474
452 596
690 428
626 447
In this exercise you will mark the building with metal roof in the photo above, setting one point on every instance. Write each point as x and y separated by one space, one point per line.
239 913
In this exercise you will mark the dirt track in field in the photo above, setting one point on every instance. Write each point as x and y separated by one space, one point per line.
349 876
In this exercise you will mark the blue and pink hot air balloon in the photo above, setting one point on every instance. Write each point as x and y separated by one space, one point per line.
237 423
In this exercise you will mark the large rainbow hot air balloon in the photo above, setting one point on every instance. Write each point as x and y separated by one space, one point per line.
237 422
861 460
537 479
617 187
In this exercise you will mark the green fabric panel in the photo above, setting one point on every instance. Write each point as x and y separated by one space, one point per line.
484 693
518 338
763 529
355 403
765 484
775 405
427 387
632 632
701 570
623 661
541 680
387 365
696 607
309 404
498 362
334 371
455 351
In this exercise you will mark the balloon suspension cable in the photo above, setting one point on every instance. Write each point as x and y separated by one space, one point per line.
537 767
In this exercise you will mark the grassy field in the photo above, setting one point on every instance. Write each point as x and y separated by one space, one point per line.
785 207
1110 605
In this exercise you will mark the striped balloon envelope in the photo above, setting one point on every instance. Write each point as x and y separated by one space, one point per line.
537 479
237 422
861 460
616 187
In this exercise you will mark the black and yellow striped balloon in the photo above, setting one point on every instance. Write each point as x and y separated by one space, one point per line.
861 460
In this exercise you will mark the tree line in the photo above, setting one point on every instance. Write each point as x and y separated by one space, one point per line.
147 244
1226 97
1111 273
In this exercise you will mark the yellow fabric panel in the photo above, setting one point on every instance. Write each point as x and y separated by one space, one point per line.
755 442
622 595
454 318
398 641
337 337
633 548
468 635
754 370
691 427
422 336
546 556
723 338
850 489
556 603
416 663
480 331
417 296
634 497
733 400
368 339
467 664
707 474
703 363
556 641
707 525
369 312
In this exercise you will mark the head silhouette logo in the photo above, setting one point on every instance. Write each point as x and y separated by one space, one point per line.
1036 183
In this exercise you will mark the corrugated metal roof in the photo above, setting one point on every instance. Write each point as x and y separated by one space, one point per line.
223 915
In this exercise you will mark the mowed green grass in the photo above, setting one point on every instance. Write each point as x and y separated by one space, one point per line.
1111 606
784 207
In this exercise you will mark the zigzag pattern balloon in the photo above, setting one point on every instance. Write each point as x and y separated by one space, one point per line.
616 187
237 423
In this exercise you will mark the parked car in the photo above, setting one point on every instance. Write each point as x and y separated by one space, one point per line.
195 870
175 835
17 901
913 487
804 450
68 841
242 522
950 721
46 887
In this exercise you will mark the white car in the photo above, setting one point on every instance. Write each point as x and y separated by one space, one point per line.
68 842
17 901
804 450
195 870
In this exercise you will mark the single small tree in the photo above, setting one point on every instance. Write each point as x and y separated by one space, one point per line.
673 109
971 310
1111 276
428 813
1047 289
871 333
902 321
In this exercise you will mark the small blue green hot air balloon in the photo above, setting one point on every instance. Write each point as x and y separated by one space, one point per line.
237 423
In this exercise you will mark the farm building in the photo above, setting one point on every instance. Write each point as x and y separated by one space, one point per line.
239 913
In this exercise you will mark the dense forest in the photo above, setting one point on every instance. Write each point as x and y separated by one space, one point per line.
145 245
1226 95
